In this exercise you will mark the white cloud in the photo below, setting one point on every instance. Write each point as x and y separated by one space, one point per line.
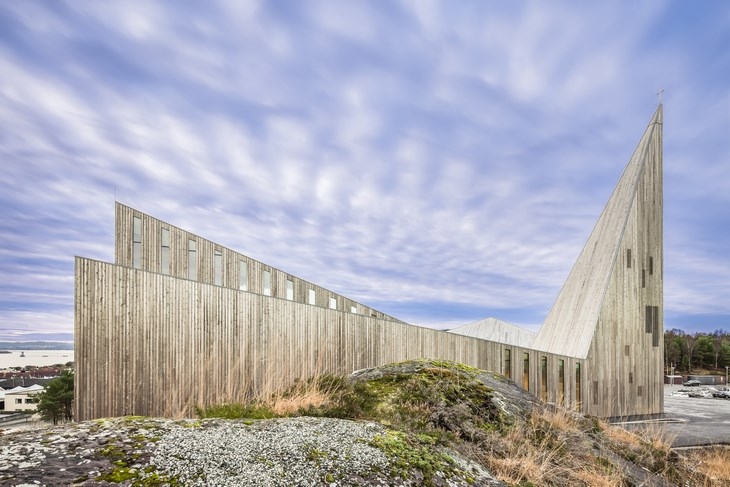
418 152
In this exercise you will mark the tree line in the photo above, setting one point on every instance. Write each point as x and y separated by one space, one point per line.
689 353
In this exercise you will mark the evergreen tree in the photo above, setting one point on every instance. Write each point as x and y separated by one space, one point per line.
56 401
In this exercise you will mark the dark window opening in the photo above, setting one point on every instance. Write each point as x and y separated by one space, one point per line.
651 322
627 350
643 278
640 393
651 266
561 382
526 371
628 258
631 377
578 397
595 392
507 372
543 378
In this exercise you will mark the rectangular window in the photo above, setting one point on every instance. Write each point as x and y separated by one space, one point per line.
507 372
267 283
290 290
137 243
578 396
561 382
543 379
353 309
192 260
643 278
647 319
312 299
595 392
631 377
651 266
333 303
18 401
242 275
526 371
640 392
218 268
655 326
165 251
628 258
627 350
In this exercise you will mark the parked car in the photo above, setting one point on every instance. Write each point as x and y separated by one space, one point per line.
692 383
721 392
704 393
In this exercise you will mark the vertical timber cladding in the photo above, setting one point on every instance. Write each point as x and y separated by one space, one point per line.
155 345
626 357
179 262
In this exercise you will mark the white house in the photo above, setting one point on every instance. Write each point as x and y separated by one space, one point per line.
22 398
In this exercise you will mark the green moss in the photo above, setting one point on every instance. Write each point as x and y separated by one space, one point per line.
315 455
119 474
113 452
236 411
408 453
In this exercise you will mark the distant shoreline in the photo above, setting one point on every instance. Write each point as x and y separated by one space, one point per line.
6 347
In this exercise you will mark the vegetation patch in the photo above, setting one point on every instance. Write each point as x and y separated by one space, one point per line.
410 454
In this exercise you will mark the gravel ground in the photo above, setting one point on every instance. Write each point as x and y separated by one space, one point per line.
280 452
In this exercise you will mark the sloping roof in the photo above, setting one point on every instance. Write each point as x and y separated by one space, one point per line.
497 331
25 390
571 323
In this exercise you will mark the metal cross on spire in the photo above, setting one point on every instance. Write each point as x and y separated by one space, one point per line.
659 94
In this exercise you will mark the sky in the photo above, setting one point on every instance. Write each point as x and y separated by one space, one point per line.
440 161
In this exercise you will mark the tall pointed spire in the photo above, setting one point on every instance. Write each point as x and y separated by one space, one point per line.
571 324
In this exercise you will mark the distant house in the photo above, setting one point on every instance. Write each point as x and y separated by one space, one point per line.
22 398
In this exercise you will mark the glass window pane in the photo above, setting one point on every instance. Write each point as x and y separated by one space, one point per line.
312 296
137 243
267 283
218 268
289 289
242 276
165 252
192 260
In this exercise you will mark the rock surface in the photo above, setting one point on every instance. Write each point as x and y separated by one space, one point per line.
280 452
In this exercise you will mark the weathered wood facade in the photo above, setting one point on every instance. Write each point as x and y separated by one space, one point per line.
179 321
610 310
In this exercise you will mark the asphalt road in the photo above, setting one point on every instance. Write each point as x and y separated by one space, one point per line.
690 421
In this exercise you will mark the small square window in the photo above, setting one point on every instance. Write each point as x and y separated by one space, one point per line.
333 303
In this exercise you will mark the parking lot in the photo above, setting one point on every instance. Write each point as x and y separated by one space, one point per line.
690 421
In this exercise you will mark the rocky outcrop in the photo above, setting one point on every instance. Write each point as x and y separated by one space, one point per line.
300 451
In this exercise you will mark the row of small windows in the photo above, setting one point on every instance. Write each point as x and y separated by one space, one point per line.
543 376
192 273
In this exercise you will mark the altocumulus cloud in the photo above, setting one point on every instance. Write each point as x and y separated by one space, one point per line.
440 161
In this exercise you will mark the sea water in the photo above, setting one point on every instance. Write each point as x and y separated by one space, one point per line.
38 358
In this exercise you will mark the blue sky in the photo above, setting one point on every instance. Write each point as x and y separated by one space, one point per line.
441 161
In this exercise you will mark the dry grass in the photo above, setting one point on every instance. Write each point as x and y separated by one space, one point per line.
550 448
713 463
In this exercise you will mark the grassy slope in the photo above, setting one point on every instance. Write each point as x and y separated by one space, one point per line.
428 404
